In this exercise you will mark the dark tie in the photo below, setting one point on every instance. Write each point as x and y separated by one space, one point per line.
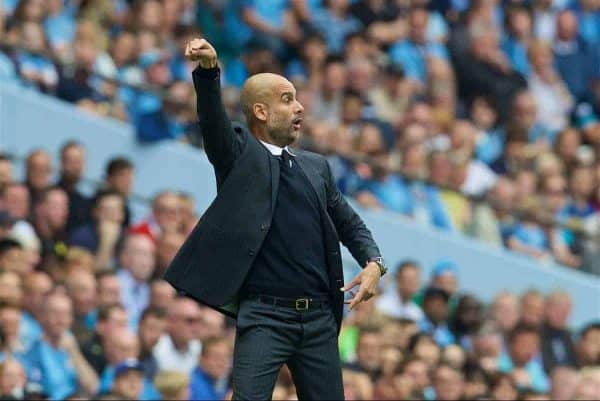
286 158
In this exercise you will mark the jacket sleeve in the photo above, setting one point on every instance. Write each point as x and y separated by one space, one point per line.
220 142
352 231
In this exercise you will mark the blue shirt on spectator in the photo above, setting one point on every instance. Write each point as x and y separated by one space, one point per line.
490 147
39 65
60 29
395 194
440 333
589 26
516 53
30 330
271 11
412 57
149 392
202 387
334 29
134 296
53 369
531 235
535 370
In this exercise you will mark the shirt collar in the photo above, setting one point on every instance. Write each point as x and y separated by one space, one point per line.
276 150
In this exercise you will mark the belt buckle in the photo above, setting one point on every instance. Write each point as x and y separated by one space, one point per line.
299 304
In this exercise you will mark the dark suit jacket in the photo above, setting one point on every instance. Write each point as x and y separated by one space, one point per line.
212 264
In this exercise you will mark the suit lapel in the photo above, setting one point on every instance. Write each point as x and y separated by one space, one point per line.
313 177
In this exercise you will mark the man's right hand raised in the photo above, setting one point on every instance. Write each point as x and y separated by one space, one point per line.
202 51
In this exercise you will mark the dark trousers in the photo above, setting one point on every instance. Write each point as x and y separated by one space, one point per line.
269 336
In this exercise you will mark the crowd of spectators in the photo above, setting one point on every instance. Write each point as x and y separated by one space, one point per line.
84 313
424 107
476 117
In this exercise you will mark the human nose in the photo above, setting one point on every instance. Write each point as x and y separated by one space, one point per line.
299 108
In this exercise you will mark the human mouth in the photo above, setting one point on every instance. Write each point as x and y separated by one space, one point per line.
297 123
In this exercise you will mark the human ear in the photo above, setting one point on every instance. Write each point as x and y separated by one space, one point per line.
260 111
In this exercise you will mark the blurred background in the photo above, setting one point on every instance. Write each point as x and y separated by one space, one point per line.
466 134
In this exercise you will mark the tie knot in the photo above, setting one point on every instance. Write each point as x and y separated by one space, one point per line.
286 158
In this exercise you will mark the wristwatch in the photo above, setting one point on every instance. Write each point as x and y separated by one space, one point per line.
382 267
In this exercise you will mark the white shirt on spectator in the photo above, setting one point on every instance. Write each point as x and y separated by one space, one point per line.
171 359
391 305
479 179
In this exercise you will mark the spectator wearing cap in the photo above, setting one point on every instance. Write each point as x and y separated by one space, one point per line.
208 380
435 321
397 300
444 275
55 360
412 53
72 166
521 359
137 260
128 383
121 348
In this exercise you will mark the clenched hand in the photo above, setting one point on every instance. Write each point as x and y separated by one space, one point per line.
202 51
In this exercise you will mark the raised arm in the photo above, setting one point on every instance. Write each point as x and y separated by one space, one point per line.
218 136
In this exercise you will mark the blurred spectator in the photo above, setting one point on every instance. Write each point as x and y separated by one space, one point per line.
177 349
136 260
164 218
6 170
557 344
50 220
128 384
35 67
151 328
575 58
413 53
505 312
13 381
72 165
55 359
81 288
119 177
435 322
397 300
588 351
532 308
448 383
110 319
37 176
520 359
16 200
173 386
103 233
207 379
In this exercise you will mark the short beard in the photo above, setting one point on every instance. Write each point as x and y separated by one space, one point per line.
280 134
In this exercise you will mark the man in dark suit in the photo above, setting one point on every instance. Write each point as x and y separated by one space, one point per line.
267 249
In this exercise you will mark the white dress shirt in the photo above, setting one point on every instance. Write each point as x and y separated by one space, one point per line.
171 359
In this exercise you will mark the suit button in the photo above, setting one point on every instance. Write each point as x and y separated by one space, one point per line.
251 253
264 226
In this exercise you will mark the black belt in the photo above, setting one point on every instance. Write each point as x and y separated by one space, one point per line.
300 304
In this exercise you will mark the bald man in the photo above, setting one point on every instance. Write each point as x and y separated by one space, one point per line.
267 250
